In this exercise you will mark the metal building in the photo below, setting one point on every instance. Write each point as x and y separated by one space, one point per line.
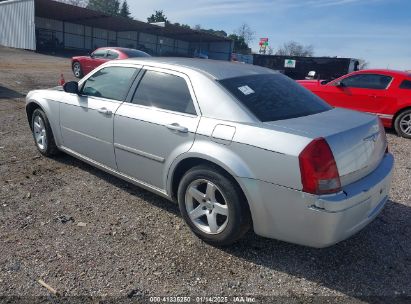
50 25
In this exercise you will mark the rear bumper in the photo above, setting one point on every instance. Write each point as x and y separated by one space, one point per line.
318 221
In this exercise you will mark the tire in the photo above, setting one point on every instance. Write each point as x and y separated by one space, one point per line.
213 206
42 134
402 124
77 70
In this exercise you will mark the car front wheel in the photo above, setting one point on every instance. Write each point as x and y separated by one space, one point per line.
213 206
402 124
77 71
42 134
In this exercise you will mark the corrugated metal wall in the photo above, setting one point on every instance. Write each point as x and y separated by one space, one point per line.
17 27
213 50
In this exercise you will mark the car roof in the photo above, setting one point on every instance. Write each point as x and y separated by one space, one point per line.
385 72
116 48
217 69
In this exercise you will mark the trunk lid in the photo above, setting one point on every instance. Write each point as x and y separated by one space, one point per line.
356 139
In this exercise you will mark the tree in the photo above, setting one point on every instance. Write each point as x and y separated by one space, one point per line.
110 7
363 64
182 25
158 16
246 32
293 48
125 10
240 46
270 50
220 33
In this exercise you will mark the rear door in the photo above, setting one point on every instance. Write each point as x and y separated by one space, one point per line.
157 125
86 121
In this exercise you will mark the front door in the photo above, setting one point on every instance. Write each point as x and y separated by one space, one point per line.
361 92
86 120
156 126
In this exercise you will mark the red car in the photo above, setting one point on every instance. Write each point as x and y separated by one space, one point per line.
81 65
381 92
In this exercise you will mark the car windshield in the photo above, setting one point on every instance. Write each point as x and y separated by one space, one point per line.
134 53
273 97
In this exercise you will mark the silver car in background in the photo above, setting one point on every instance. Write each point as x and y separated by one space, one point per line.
237 146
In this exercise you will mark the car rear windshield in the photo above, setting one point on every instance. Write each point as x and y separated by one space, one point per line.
135 53
273 97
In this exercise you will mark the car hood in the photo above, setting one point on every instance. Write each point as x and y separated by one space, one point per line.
80 57
310 83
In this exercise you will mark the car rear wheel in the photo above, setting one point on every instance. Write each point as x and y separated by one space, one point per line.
42 134
213 206
402 124
77 71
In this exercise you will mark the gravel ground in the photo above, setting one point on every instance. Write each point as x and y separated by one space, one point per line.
86 233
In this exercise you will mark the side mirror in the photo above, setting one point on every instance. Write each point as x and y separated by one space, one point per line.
339 84
71 87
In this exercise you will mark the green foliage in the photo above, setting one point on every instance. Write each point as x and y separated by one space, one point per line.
125 10
158 16
240 46
110 7
220 33
182 25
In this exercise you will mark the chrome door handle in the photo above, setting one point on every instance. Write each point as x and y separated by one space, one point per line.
104 111
177 127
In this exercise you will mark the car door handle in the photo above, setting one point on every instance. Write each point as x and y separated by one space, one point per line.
104 111
177 127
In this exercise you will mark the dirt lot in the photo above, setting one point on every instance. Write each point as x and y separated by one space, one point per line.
135 244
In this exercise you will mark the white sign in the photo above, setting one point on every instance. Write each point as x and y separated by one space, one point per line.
246 90
289 63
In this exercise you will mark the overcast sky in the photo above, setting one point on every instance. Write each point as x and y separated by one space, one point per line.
378 31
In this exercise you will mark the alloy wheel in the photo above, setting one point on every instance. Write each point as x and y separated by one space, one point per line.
40 134
206 206
76 69
405 124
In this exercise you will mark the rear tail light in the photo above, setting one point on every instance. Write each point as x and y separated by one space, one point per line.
382 130
319 172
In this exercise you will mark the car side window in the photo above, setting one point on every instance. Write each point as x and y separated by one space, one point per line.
99 54
406 84
164 91
367 81
111 83
112 55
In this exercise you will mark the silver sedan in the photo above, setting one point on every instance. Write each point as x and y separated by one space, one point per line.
237 146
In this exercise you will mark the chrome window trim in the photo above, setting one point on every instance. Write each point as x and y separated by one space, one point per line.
178 74
333 83
99 68
161 110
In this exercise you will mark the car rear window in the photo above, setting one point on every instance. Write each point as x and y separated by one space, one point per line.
135 53
273 97
406 84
